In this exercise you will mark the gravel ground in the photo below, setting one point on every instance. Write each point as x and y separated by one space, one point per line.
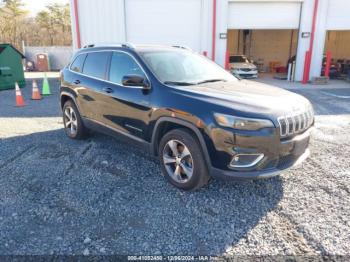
101 196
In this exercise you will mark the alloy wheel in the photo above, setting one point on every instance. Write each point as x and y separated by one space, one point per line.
178 161
71 122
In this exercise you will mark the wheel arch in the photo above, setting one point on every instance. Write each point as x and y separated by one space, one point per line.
177 123
65 96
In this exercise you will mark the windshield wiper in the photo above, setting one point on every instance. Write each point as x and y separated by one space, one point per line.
211 81
179 83
193 83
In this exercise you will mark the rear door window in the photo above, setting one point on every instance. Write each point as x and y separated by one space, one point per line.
96 64
123 64
77 65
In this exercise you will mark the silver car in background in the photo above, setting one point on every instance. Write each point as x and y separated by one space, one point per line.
242 67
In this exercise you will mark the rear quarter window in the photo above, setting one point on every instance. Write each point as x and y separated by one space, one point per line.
96 64
77 65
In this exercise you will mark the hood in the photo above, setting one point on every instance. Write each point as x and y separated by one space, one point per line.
249 97
242 65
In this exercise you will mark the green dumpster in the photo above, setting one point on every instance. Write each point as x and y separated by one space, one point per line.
11 68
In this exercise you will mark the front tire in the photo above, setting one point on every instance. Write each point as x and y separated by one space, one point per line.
182 160
73 124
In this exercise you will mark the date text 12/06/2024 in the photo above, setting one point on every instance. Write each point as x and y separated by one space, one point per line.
173 258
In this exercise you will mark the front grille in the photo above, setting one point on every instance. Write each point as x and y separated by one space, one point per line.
246 69
295 123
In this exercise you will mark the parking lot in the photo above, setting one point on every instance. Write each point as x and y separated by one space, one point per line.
101 196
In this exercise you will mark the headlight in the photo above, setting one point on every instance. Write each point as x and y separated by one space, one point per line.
241 122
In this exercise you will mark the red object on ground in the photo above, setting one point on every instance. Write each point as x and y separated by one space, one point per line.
308 61
35 91
328 63
214 32
306 66
77 27
19 97
205 53
227 60
305 75
281 69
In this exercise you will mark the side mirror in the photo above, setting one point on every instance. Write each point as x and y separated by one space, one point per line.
136 81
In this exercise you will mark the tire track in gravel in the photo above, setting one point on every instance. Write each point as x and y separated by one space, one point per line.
18 156
307 243
325 149
332 143
330 178
83 152
291 233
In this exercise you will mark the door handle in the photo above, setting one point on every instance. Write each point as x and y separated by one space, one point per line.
107 90
77 82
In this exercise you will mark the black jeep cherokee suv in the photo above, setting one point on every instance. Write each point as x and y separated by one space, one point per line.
200 120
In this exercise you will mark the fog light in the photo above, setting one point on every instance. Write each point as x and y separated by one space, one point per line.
246 160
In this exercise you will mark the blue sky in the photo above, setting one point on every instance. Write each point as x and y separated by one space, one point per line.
35 6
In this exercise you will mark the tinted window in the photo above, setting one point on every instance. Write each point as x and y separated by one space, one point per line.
238 59
77 65
95 64
121 65
177 65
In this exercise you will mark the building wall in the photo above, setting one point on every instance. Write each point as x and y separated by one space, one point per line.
181 22
221 27
263 14
234 41
338 15
165 21
108 20
273 45
331 15
101 21
338 42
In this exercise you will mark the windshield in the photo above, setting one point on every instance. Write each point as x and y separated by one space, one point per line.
238 59
182 67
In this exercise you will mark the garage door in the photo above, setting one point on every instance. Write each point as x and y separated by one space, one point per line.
338 17
264 15
164 22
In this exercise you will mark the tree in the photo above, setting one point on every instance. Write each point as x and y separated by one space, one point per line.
60 15
12 14
56 21
50 26
45 21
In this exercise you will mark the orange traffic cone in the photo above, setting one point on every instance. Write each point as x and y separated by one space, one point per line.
35 93
19 97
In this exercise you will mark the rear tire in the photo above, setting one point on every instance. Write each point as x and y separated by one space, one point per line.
73 124
182 160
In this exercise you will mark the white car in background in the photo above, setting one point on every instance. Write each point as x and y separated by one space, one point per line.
241 66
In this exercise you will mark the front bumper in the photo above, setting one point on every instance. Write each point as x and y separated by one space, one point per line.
279 154
246 74
233 175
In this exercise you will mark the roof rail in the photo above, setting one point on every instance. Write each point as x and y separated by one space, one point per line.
129 45
126 44
88 46
182 47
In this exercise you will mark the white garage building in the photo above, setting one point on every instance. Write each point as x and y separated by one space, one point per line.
266 30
